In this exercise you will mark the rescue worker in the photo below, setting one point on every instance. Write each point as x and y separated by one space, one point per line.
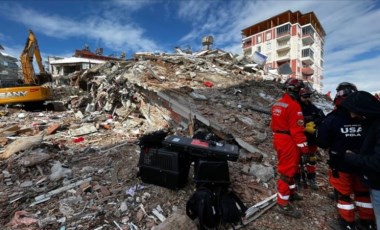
339 132
313 116
363 105
289 141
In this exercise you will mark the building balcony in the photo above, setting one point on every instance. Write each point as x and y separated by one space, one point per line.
308 34
308 39
309 60
307 71
283 36
307 56
306 46
283 46
283 57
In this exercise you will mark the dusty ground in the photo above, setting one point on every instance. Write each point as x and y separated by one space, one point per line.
113 164
317 209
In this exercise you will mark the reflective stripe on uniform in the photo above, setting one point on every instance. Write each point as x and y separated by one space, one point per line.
302 145
282 104
283 197
363 204
346 206
293 186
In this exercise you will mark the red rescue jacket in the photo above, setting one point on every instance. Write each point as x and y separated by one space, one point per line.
287 117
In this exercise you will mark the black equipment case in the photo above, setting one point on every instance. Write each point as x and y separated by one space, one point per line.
163 167
211 172
202 149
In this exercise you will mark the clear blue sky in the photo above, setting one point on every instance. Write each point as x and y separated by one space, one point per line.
352 48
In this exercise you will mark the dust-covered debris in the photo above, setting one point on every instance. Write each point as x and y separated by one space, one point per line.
77 169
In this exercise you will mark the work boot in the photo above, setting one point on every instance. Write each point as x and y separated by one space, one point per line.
289 210
366 225
341 224
312 184
295 197
297 180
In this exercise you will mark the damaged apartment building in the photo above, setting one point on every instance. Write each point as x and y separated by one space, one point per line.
290 37
8 69
63 68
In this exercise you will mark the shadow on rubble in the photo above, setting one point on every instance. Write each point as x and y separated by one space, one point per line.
39 106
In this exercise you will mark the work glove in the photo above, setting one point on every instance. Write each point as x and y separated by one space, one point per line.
312 158
309 159
310 127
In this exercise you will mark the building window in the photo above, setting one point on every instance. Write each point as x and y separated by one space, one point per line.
308 30
268 46
258 39
308 53
285 29
321 64
259 49
269 36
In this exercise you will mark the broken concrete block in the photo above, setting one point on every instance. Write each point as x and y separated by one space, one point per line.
79 114
177 221
25 184
58 172
105 126
261 172
86 129
21 144
52 128
12 128
34 158
197 96
21 218
3 141
85 187
105 191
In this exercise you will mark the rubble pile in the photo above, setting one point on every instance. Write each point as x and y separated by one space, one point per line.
77 169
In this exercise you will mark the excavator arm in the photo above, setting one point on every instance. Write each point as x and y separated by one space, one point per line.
31 49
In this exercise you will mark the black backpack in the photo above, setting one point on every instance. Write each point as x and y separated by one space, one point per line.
204 206
231 208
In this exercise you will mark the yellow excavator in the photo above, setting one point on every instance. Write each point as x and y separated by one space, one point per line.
33 88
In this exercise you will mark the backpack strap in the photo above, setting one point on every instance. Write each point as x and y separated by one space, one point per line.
201 206
238 201
190 208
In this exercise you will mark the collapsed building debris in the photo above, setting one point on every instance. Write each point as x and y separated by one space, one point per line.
81 172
